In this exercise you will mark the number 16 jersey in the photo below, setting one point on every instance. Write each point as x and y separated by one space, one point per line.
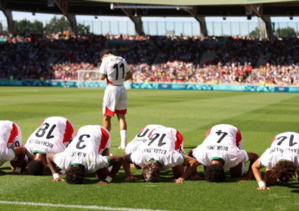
285 146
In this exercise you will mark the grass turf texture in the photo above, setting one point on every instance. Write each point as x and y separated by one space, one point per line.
259 116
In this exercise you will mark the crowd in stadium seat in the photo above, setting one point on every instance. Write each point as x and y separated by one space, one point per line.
153 58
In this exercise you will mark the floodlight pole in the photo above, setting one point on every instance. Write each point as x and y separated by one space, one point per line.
201 20
258 10
8 15
63 6
132 14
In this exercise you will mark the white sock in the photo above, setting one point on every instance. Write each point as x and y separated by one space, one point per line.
123 137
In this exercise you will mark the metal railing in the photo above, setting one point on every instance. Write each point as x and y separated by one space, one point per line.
192 28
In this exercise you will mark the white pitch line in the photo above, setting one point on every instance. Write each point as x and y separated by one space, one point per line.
74 206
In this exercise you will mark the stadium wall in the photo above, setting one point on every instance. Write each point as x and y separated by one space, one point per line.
160 86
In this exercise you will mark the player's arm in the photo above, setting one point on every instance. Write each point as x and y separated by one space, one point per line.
256 169
102 77
20 155
116 162
191 164
52 166
194 173
252 157
127 169
128 75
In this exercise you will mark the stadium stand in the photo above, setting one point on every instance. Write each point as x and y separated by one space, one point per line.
155 58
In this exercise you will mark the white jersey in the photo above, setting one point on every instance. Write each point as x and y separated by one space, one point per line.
285 146
10 132
221 143
86 149
115 69
6 154
141 137
224 134
52 136
165 158
165 138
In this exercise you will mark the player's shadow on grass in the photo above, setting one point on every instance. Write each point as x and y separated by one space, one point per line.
294 185
5 170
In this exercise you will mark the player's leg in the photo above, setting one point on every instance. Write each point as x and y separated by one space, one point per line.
108 107
121 110
237 171
107 122
178 171
123 130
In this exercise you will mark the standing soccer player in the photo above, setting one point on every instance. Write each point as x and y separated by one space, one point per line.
281 160
115 70
53 135
222 149
11 148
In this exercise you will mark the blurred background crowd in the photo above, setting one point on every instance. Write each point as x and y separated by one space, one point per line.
180 59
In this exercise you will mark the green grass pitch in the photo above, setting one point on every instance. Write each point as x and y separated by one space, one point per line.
259 116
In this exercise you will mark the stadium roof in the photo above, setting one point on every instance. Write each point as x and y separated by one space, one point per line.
153 8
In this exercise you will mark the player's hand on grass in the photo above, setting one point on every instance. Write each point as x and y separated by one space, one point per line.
130 178
57 180
103 183
243 179
195 176
179 180
14 173
263 188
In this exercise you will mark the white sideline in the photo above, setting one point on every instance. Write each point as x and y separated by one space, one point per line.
74 206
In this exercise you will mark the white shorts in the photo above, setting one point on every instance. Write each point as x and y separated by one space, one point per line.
115 100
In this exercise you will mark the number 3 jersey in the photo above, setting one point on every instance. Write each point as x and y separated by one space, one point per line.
285 146
115 69
223 142
89 143
52 136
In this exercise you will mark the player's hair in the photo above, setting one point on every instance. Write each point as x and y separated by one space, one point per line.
35 167
74 175
104 51
284 170
151 171
215 173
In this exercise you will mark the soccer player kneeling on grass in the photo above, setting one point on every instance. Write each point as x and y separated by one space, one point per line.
52 136
280 160
86 154
11 148
222 149
158 153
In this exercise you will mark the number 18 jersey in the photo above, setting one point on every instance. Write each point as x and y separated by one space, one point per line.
52 136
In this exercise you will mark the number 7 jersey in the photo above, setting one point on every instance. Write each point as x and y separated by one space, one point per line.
52 136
